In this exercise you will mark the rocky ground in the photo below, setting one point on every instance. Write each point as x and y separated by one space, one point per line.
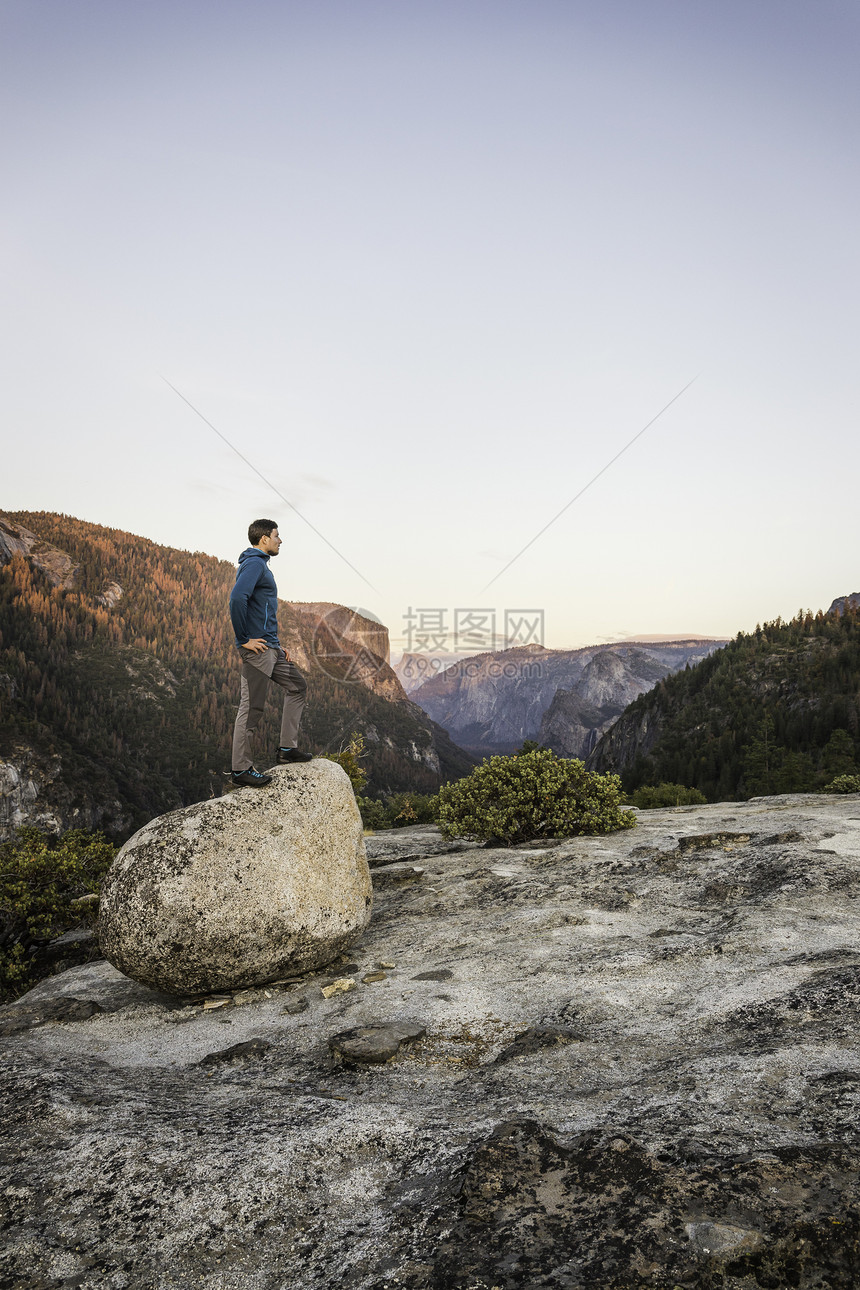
614 1062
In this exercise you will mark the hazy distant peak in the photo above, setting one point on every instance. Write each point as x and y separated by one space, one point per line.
647 638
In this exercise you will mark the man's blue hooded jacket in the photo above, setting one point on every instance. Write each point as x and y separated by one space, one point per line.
254 600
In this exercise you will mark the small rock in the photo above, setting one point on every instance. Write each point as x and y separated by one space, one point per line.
16 1019
374 1044
438 974
251 1048
72 949
533 1040
342 985
296 1005
396 873
75 936
73 1010
374 976
723 1238
383 964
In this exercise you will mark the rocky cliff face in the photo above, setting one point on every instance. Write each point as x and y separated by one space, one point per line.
628 1061
110 596
33 793
492 702
348 624
21 785
571 725
845 602
57 566
576 719
625 740
344 644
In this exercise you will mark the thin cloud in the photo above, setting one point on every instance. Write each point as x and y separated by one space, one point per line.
268 482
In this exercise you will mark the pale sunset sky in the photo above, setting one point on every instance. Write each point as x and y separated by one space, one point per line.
429 266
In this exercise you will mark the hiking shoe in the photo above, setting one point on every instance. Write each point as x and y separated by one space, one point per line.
292 754
251 778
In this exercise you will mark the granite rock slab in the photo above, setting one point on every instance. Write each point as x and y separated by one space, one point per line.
643 1071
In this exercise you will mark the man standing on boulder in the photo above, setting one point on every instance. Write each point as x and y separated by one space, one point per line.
254 614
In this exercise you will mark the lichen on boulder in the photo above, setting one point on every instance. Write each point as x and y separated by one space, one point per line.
238 890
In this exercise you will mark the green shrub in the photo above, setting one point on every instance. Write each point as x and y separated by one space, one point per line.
843 784
41 878
373 813
649 797
410 808
350 759
398 810
531 795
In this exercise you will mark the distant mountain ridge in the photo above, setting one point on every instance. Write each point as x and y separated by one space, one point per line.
565 699
414 667
119 681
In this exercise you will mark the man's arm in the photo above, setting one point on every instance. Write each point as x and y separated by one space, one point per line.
243 588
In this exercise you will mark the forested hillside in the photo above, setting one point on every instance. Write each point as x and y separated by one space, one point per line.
125 675
776 711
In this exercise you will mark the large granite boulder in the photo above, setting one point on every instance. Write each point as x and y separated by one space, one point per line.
240 890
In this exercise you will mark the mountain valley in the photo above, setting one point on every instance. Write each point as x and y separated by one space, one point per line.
119 681
565 699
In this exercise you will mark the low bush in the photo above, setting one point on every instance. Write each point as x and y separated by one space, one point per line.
843 784
42 881
349 757
397 810
373 813
390 812
533 794
649 797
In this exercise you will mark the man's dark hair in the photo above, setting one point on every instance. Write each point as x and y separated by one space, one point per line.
260 529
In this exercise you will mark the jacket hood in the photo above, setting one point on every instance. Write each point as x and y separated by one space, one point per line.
252 550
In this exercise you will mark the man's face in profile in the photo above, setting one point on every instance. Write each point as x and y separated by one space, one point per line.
271 544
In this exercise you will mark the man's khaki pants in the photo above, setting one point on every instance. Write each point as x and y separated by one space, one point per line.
257 671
